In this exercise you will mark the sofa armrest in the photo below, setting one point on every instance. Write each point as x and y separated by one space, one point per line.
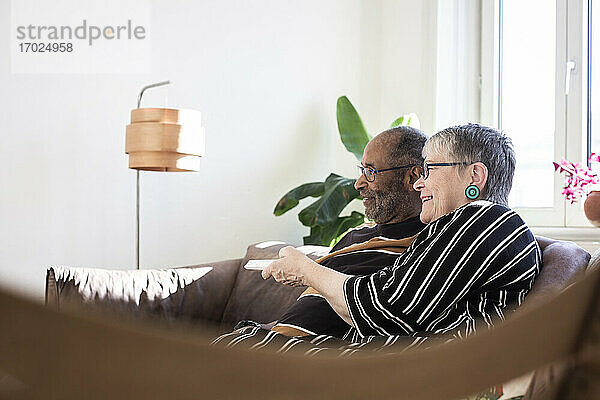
562 264
187 294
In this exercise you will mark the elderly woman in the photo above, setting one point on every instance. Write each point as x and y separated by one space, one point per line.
474 258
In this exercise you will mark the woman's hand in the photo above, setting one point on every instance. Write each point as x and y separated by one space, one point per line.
291 268
295 269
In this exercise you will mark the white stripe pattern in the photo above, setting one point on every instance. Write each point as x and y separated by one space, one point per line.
453 275
438 263
492 256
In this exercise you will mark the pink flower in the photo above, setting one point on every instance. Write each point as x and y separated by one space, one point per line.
578 178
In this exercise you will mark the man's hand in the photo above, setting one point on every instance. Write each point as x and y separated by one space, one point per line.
291 268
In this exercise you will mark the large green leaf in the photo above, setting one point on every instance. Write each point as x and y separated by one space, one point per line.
291 198
329 234
408 120
339 191
352 130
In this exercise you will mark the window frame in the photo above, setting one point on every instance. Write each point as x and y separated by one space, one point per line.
571 111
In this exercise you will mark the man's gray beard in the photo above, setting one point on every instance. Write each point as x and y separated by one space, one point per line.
394 204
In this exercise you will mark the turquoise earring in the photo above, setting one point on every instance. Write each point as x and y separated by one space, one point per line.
472 192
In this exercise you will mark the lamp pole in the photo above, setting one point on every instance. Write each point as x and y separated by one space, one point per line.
137 186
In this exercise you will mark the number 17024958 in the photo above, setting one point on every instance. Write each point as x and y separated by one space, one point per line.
46 47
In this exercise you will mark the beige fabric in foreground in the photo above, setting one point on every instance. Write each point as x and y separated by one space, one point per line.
63 355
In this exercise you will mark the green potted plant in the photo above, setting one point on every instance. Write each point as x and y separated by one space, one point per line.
336 192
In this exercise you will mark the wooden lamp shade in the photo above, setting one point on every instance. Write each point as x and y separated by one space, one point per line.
165 139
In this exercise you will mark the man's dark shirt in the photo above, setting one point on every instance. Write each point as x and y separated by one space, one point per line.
311 313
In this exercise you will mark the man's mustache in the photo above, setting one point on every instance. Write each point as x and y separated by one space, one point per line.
367 193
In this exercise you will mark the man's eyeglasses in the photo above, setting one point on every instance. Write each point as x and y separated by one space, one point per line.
369 172
427 166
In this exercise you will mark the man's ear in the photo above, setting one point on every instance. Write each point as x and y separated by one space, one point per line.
479 175
412 176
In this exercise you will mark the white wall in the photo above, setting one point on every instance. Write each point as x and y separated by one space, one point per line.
265 75
408 61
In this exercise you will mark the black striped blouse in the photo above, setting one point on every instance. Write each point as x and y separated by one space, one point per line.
460 271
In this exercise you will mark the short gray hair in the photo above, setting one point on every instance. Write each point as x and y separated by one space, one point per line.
473 142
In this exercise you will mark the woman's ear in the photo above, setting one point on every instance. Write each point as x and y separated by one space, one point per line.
479 175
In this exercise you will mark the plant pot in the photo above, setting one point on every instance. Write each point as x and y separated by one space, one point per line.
591 207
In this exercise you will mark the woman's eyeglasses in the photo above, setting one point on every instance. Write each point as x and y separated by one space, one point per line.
427 166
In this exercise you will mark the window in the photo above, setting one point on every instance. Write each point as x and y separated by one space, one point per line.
535 86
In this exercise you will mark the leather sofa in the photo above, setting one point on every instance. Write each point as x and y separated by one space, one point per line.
216 295
223 293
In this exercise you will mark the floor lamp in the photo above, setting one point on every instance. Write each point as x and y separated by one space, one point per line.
162 139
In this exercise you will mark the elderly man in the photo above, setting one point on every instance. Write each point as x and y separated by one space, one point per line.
390 166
